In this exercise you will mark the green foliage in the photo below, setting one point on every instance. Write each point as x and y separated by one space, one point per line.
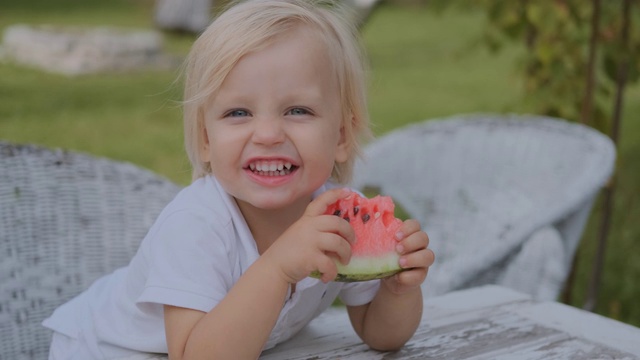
427 64
556 34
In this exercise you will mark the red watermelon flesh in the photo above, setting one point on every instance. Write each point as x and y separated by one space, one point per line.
374 255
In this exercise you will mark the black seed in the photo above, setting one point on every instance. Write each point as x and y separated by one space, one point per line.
356 209
347 218
336 213
365 218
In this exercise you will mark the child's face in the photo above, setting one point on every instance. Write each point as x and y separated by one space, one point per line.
274 130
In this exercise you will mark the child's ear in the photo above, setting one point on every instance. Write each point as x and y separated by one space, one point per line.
342 150
204 148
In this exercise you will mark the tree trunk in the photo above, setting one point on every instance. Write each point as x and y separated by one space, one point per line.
587 102
621 80
585 116
183 15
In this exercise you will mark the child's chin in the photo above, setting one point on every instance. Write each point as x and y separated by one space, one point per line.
277 201
272 204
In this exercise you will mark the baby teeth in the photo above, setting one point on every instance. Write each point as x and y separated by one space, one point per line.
277 167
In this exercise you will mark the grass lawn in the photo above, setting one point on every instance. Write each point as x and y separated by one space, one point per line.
424 65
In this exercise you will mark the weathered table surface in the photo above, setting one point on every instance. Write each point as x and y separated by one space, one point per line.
488 322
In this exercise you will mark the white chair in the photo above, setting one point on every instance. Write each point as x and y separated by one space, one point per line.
360 10
504 198
65 219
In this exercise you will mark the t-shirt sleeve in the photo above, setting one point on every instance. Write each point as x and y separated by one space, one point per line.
188 262
359 293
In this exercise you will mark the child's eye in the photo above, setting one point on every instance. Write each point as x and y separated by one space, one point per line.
237 113
298 111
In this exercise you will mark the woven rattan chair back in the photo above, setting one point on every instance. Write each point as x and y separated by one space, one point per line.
483 185
65 219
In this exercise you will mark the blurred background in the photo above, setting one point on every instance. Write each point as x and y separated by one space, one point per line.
428 59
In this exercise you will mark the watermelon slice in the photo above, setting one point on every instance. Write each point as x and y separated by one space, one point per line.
374 255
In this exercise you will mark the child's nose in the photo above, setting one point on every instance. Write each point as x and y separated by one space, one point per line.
269 130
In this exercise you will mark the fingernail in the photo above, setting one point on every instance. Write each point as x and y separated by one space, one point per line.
399 235
403 262
400 248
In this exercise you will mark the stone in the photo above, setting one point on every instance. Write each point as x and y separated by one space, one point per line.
183 15
77 50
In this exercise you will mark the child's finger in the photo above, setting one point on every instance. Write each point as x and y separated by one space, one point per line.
330 223
319 205
409 227
337 225
336 246
418 259
414 242
327 268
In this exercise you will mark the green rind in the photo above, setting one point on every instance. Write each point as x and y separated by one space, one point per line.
359 277
365 268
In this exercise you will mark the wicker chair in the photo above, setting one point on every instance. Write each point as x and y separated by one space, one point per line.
504 199
65 219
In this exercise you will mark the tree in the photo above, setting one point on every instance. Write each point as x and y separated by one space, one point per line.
573 49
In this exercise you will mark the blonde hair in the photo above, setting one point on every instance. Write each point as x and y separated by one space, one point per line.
251 25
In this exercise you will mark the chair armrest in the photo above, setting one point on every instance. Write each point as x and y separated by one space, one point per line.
539 268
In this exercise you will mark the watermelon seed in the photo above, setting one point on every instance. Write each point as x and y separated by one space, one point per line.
365 218
376 215
356 209
347 218
336 213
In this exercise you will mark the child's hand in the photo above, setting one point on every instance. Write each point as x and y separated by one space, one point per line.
415 256
313 241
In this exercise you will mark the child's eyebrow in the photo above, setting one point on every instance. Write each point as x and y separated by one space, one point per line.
311 92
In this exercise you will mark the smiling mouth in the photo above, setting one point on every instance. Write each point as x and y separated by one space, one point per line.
271 168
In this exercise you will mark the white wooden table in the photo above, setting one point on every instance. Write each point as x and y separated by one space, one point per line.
488 322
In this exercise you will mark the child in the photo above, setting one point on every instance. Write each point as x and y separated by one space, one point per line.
274 107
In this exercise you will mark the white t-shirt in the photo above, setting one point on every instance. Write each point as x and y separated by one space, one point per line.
194 253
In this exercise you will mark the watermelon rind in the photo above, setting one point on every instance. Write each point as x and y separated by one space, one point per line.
366 268
365 277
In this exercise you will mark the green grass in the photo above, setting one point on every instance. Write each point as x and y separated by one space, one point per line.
424 65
